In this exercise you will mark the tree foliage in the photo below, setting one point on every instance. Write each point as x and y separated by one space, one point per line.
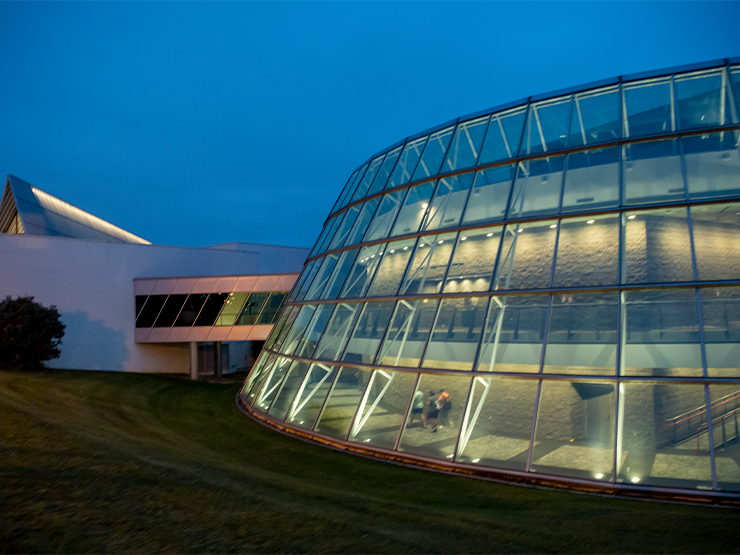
30 333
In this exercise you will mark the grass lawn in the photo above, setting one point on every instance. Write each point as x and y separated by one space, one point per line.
106 462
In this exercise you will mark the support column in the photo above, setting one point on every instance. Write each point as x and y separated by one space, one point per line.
193 360
217 359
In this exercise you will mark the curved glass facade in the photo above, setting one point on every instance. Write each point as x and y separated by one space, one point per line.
548 290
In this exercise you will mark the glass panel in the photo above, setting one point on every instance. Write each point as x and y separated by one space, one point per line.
434 153
232 309
514 334
385 216
473 261
170 311
448 202
526 256
456 333
503 136
363 221
720 314
363 270
437 405
647 108
385 171
341 270
368 332
140 302
382 409
341 201
391 269
276 339
305 273
258 378
326 234
407 333
314 330
353 187
332 232
413 210
151 309
407 162
657 247
702 99
575 430
311 396
291 384
712 164
347 224
725 406
595 117
342 403
429 264
652 172
466 144
497 424
212 307
716 230
273 378
367 179
662 333
308 276
547 126
252 309
661 442
293 338
322 277
588 251
190 310
490 195
735 79
272 308
582 335
592 180
537 187
337 332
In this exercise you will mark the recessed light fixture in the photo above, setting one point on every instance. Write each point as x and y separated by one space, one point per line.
440 242
424 205
599 476
489 235
421 245
590 221
553 226
463 238
405 248
520 230
635 479
393 250
632 217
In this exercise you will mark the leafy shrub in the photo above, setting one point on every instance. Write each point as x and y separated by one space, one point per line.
30 333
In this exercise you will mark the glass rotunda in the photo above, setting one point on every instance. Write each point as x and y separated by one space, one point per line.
548 290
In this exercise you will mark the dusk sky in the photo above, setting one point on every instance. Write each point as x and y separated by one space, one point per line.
203 123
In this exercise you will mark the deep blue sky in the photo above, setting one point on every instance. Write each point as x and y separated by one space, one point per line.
203 123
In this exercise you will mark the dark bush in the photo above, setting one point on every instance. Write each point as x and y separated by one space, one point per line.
30 333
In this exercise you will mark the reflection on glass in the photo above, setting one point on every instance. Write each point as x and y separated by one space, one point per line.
428 265
595 117
232 309
311 396
575 430
278 335
473 261
592 180
385 216
322 277
664 437
368 332
547 126
288 389
448 202
273 378
725 409
652 172
490 195
189 311
314 330
434 153
407 162
252 309
702 99
537 187
170 311
363 221
347 224
414 209
466 144
306 279
526 256
503 136
720 314
337 332
712 164
407 333
341 270
647 108
392 267
363 270
385 171
327 234
299 326
456 333
367 179
340 407
582 334
257 378
716 230
588 251
211 309
661 333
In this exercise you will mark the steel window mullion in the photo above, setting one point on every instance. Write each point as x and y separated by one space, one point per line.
483 141
328 396
535 416
398 158
466 412
710 436
399 437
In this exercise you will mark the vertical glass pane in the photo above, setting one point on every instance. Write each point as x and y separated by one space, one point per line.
456 333
575 430
503 136
385 216
335 224
526 256
716 230
657 248
257 379
288 389
314 330
322 276
363 270
712 164
647 108
367 179
702 99
414 208
311 396
662 442
293 337
211 309
170 311
434 153
429 264
273 379
326 233
407 162
347 224
547 126
392 267
652 172
150 311
252 309
189 311
338 277
662 333
582 334
472 264
301 279
537 187
588 251
407 333
448 202
363 221
420 435
381 179
340 407
232 309
306 279
382 409
592 180
337 332
368 332
720 314
514 334
466 144
490 195
276 340
595 117
725 403
497 424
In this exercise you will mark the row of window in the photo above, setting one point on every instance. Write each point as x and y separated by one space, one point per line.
653 434
204 309
687 101
696 167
